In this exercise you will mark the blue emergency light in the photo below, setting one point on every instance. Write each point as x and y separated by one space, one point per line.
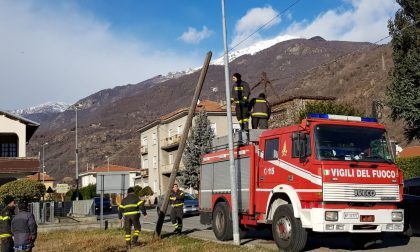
342 117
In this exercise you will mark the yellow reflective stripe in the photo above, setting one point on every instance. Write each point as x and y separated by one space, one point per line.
140 202
172 198
176 205
245 97
181 193
127 235
246 120
130 213
4 217
232 99
239 88
237 102
260 100
259 114
5 235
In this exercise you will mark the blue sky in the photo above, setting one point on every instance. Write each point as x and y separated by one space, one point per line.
62 50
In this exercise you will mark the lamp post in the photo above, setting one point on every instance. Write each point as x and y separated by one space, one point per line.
76 107
43 163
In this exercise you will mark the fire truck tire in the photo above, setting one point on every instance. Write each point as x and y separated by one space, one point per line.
222 222
288 232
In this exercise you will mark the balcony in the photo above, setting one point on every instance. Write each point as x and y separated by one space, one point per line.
144 172
170 143
144 149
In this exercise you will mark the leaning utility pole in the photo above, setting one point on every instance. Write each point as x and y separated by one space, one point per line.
233 186
182 144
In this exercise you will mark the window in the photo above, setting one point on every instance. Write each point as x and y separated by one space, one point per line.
8 145
213 128
169 133
154 138
171 158
271 149
299 143
179 129
145 163
145 141
154 160
236 127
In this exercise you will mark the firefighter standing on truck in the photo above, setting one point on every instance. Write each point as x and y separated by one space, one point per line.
130 208
6 215
260 112
240 95
176 198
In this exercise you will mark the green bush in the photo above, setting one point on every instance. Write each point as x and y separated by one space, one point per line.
88 192
23 189
410 166
137 190
147 191
328 107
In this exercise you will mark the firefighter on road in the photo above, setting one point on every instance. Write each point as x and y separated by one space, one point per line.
6 215
260 112
176 198
240 95
130 208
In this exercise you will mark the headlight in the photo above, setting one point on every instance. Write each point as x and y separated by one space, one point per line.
397 216
331 215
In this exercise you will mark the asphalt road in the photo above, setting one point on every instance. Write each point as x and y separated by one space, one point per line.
316 242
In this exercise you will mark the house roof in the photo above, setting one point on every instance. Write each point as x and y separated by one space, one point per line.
209 106
12 165
38 176
31 126
413 151
304 97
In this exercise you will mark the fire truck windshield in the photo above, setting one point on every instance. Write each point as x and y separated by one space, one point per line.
351 143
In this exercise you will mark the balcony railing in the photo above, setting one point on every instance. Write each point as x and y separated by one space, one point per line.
170 142
144 149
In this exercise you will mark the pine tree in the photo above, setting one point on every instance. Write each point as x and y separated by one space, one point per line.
199 142
404 91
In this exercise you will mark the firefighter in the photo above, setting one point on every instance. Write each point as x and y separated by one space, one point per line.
240 95
176 198
6 215
260 112
130 208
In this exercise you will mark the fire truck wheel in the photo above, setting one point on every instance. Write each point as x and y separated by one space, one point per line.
222 222
287 230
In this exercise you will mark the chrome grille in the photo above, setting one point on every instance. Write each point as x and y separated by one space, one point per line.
346 192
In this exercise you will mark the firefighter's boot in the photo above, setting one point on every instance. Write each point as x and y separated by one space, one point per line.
135 241
128 245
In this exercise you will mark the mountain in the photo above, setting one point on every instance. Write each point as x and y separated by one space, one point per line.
49 107
109 119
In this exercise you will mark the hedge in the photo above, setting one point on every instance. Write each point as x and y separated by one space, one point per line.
410 166
23 189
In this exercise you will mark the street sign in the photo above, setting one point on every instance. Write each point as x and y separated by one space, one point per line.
112 182
62 188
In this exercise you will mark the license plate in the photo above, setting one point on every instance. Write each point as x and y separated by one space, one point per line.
367 218
351 215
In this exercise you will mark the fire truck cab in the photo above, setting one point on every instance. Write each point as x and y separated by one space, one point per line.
330 173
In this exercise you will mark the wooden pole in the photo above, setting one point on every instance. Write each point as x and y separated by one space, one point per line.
182 144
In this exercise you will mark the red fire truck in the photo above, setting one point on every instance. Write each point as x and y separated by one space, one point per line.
331 173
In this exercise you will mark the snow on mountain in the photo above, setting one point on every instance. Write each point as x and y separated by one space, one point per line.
49 107
253 49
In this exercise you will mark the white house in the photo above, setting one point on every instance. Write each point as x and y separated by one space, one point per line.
89 177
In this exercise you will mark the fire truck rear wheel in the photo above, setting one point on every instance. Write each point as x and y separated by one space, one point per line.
288 232
222 222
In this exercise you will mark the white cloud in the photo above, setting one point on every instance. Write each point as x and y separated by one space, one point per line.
253 20
64 54
193 36
365 21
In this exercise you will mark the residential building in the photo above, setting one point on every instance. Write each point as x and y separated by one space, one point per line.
89 177
413 151
15 133
286 112
159 141
43 177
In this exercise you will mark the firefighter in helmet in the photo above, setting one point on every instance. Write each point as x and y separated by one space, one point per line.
130 208
240 95
176 199
6 214
260 112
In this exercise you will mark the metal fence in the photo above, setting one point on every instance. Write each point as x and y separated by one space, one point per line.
46 212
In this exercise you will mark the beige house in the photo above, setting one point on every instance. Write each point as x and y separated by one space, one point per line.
160 139
15 133
286 112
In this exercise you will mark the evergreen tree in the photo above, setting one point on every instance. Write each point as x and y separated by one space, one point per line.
199 142
404 91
